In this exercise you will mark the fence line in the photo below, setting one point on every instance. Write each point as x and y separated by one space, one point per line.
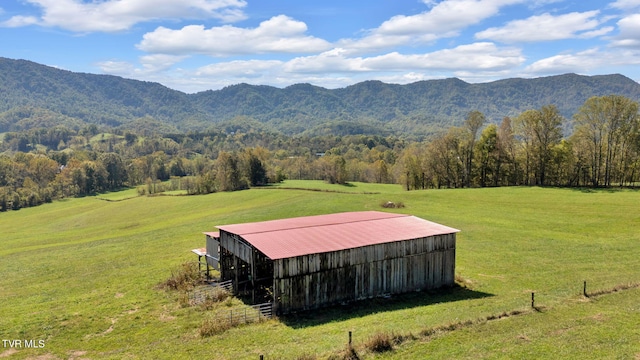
211 291
226 285
250 314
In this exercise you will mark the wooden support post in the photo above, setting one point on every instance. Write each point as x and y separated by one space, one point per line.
253 276
236 288
584 289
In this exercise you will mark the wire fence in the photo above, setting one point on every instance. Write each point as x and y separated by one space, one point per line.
233 317
213 291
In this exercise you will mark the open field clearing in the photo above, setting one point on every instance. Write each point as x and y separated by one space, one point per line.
82 275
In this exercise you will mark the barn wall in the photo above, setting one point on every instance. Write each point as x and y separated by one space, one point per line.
249 269
311 281
236 262
213 252
236 245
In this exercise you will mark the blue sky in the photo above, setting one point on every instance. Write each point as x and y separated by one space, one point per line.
195 45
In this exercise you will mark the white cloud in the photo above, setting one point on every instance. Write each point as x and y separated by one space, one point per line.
547 27
159 62
596 33
119 15
333 68
280 34
282 51
478 56
444 19
241 69
625 4
151 65
335 60
20 21
579 62
629 35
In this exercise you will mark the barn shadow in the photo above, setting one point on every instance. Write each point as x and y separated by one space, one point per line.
362 308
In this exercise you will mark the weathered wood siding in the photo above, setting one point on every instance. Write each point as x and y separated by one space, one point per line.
237 246
311 281
213 252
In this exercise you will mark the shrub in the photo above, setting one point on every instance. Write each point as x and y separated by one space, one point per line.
186 277
463 282
392 205
213 297
380 342
349 353
214 326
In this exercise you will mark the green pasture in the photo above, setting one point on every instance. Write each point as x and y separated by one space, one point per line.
82 275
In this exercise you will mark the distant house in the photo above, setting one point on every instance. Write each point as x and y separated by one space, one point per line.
313 261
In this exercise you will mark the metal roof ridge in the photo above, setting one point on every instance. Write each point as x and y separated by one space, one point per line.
323 225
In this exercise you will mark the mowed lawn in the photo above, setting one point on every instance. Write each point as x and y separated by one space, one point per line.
82 275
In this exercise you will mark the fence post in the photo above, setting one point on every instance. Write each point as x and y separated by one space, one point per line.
533 300
349 338
584 289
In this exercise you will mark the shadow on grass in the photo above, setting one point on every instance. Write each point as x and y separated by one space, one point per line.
588 190
376 305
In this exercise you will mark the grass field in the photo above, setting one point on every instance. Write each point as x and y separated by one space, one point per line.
82 276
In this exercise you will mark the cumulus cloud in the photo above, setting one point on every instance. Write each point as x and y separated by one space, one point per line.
335 60
150 65
547 27
625 4
446 16
629 35
120 68
444 19
241 69
579 62
119 15
282 50
478 56
20 21
280 34
159 62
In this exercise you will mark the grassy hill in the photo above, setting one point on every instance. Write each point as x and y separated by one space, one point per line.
82 275
34 95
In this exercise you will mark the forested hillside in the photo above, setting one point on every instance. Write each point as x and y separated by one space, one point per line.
34 95
64 134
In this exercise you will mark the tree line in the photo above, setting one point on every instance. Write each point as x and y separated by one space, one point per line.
603 150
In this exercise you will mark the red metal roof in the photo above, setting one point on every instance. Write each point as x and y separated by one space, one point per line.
279 239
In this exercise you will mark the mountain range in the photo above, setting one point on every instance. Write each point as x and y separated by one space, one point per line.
34 95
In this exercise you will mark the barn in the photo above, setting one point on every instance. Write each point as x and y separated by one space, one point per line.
313 261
